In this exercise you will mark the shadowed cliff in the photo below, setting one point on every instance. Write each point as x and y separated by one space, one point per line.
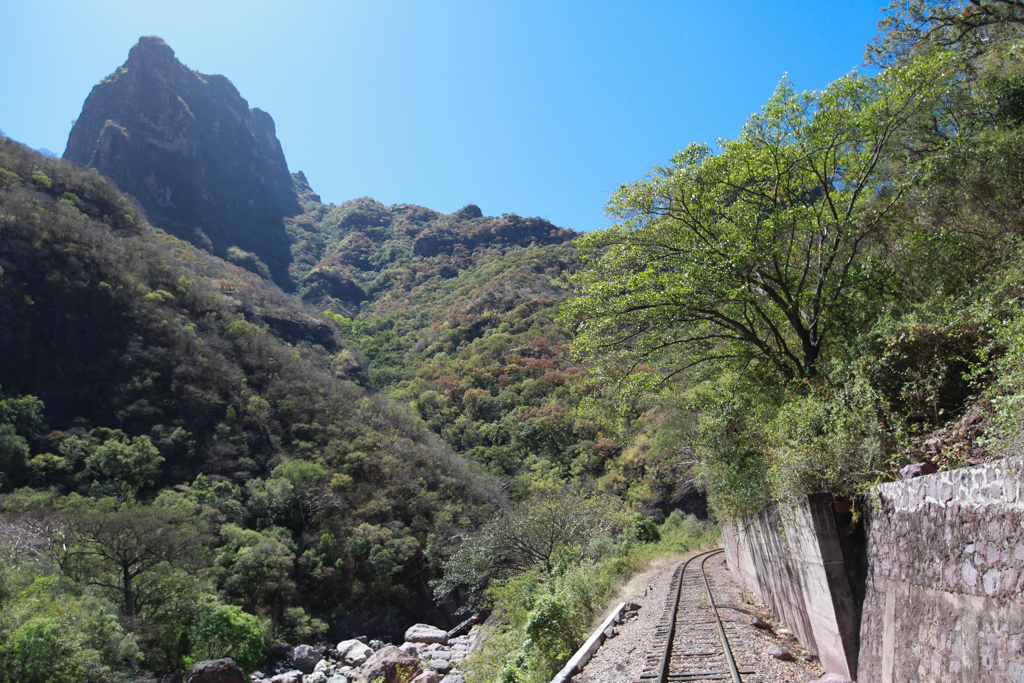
205 166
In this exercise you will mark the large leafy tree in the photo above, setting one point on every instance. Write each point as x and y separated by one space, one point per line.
755 252
965 25
131 554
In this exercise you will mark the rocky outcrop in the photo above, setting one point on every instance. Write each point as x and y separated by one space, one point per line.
205 166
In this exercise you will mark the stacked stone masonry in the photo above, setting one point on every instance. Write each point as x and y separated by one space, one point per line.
946 576
935 577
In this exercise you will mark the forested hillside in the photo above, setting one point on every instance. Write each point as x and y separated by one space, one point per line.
148 385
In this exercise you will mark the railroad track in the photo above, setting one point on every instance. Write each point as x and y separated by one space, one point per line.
692 640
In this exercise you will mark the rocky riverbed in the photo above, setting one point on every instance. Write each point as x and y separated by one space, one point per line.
428 655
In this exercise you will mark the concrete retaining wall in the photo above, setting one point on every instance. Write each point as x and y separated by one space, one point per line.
929 586
799 570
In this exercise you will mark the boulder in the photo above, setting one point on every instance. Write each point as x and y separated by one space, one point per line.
215 671
428 677
322 665
440 665
279 649
305 658
315 677
353 652
425 633
376 644
409 649
337 678
388 664
293 676
453 677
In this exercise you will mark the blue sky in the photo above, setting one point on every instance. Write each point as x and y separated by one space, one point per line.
534 108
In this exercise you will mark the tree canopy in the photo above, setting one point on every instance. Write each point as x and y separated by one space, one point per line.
755 252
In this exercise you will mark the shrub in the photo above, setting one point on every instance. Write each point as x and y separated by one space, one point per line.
228 631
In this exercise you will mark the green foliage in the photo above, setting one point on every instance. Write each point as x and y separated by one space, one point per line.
122 466
527 535
227 631
545 617
50 633
755 252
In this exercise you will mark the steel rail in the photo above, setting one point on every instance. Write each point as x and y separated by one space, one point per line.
666 655
718 621
664 675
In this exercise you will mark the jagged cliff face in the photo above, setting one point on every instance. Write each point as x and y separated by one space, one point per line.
205 166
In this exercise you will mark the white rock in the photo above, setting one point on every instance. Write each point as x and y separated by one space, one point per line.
425 633
353 652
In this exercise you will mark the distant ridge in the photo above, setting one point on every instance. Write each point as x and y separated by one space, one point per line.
205 166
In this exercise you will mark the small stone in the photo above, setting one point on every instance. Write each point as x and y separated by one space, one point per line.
758 623
632 607
293 676
918 469
780 654
970 574
631 614
611 632
376 644
834 678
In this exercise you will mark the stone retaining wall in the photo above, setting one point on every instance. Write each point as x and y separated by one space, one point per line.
932 580
943 598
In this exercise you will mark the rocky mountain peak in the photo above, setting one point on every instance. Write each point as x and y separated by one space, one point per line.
151 51
205 166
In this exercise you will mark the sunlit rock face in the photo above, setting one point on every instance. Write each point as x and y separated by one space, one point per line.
205 166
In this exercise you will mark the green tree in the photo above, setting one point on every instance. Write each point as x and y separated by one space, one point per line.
130 553
256 568
124 465
756 252
527 535
51 634
228 631
911 25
